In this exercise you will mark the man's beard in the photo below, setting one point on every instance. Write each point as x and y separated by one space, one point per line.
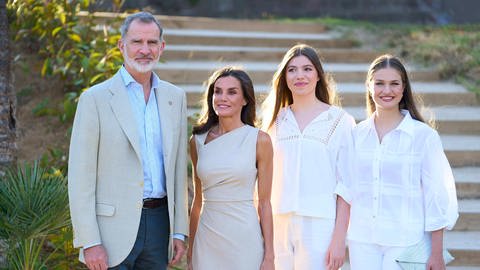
141 68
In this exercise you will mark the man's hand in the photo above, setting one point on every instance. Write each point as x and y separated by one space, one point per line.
96 258
178 251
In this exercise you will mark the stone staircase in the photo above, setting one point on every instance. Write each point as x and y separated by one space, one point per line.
197 46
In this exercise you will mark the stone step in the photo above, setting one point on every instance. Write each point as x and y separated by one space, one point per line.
464 246
467 182
255 38
457 120
186 22
462 150
435 93
462 120
196 72
353 94
175 52
469 219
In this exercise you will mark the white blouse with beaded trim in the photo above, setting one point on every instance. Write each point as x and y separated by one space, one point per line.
309 167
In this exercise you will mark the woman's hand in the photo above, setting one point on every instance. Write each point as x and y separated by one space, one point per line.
189 260
335 254
336 250
436 262
267 264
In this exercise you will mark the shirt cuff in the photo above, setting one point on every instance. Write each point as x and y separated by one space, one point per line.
179 236
91 245
343 192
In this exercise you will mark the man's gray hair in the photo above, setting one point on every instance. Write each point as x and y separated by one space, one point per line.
144 17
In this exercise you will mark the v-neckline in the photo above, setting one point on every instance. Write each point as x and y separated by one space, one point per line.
311 121
223 135
382 138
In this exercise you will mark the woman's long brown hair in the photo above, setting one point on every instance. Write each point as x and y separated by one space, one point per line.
281 94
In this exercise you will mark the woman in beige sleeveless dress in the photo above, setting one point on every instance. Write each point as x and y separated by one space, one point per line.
228 156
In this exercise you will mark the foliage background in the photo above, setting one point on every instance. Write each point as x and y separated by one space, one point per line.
73 53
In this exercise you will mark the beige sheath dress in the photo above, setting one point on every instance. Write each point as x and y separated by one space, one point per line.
228 234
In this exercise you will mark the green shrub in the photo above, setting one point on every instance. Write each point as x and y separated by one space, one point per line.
33 207
72 47
452 49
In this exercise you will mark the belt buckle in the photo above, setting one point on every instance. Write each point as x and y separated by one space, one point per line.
146 200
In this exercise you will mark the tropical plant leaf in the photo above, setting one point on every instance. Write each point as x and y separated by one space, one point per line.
33 204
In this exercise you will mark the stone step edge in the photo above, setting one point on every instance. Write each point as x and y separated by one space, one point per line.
470 114
462 240
439 113
467 175
470 206
442 87
171 21
261 35
209 66
220 48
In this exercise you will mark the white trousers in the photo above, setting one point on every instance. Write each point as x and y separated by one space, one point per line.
301 242
373 257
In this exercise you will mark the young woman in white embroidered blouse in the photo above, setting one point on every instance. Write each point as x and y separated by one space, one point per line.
403 191
311 140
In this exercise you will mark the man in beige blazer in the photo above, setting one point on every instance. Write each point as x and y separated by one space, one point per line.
127 167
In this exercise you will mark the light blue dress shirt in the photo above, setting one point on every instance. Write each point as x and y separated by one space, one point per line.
147 118
150 134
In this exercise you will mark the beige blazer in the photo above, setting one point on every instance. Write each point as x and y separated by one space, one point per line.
105 175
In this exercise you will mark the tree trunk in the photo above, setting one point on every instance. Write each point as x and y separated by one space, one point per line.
8 101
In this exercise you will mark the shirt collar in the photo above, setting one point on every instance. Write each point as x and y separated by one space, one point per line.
406 125
128 79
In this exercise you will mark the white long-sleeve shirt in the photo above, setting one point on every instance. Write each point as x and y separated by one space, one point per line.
308 166
402 186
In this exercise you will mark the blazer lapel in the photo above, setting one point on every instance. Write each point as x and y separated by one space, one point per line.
123 112
165 106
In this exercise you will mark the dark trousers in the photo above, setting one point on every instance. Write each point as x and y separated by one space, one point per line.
150 251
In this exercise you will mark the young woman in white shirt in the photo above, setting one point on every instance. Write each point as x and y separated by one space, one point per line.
403 191
311 140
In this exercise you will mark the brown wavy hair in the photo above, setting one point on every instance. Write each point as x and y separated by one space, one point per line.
208 117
